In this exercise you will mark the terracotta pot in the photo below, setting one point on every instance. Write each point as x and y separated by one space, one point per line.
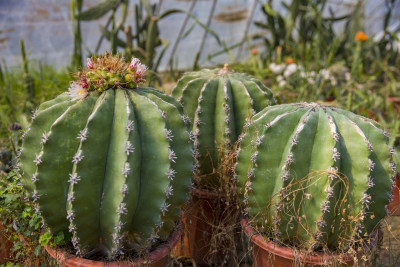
5 246
268 253
157 258
394 206
205 211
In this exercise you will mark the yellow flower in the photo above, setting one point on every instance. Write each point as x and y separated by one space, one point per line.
361 37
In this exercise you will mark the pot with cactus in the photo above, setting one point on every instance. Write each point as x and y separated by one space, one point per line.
109 164
218 102
315 182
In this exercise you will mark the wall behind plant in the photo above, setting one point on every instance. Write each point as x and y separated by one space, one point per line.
46 28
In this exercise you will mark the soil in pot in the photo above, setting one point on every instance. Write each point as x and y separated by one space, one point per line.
159 257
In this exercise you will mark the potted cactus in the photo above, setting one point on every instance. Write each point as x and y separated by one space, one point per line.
109 163
218 102
312 179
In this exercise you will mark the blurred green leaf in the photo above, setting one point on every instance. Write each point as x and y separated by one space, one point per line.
38 249
44 239
99 10
107 34
268 10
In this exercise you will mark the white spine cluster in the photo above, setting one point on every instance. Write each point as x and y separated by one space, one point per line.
172 156
128 148
77 157
371 165
38 158
34 178
45 137
82 136
126 170
73 178
335 154
129 126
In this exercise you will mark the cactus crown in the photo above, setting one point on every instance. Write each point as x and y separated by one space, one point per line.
111 170
107 72
314 175
218 102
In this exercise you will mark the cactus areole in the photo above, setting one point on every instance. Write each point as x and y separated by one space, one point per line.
218 102
314 176
109 163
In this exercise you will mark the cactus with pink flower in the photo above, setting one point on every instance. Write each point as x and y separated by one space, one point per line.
109 163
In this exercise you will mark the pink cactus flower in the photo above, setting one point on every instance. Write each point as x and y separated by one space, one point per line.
85 84
134 61
89 63
141 69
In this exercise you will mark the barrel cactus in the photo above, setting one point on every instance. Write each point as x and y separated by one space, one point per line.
313 175
218 102
109 164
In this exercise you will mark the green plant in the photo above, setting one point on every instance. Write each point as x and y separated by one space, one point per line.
15 103
315 176
218 102
108 166
23 225
76 9
302 32
145 41
28 80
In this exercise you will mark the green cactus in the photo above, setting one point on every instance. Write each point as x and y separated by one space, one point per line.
218 102
111 169
314 175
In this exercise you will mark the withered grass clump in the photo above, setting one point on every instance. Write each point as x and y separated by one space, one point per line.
226 245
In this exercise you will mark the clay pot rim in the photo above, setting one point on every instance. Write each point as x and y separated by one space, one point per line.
154 256
286 252
394 98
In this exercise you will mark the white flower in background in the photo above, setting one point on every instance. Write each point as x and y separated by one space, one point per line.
282 83
333 81
303 74
310 80
326 74
76 91
347 76
312 73
290 69
276 68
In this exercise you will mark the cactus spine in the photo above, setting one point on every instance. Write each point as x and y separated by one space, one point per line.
314 175
112 168
218 102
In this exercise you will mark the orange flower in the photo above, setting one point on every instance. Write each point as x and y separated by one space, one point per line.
254 51
361 37
289 61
